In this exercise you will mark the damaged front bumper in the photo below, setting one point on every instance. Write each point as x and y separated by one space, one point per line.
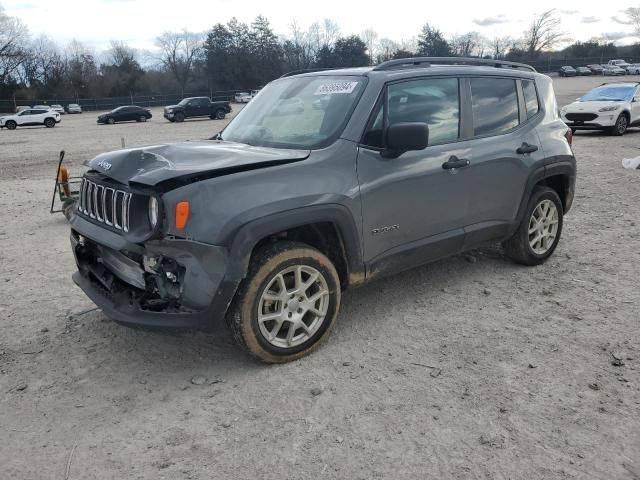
169 283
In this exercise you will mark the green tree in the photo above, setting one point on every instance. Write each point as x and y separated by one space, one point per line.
350 52
431 43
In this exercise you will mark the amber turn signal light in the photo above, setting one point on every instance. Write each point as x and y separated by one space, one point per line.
182 215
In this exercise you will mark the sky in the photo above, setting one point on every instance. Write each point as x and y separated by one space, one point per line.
138 22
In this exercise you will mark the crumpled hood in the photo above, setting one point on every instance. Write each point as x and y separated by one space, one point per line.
155 164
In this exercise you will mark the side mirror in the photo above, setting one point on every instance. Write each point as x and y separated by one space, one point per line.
405 137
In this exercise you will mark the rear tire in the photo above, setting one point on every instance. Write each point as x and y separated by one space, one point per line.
539 231
11 125
179 117
49 122
287 304
622 123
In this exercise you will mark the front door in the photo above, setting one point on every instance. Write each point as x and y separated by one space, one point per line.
414 208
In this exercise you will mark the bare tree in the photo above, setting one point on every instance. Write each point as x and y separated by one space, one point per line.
543 34
386 49
179 51
470 44
330 32
500 46
633 14
13 39
370 39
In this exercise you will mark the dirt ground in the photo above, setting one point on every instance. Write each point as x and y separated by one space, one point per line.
471 367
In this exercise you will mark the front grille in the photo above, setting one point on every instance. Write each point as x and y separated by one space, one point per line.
581 117
105 204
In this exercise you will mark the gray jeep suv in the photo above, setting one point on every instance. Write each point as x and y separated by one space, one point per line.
325 180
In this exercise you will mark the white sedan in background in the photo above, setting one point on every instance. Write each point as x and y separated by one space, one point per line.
634 69
613 107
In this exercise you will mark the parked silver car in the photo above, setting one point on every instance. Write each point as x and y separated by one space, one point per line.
74 108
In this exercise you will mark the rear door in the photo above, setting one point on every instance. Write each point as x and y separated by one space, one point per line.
505 112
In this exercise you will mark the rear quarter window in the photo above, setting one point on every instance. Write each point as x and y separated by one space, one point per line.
494 102
530 97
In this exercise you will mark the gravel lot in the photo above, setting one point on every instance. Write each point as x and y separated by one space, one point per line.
471 367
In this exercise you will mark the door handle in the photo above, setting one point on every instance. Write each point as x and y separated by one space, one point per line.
455 162
526 148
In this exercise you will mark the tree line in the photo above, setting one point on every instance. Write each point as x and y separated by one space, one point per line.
240 56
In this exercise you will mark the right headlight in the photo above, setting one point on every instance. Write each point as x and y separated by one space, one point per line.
154 211
610 108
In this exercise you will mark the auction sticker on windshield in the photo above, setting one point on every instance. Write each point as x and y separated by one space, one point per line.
335 87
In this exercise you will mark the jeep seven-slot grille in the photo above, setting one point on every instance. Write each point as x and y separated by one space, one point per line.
105 204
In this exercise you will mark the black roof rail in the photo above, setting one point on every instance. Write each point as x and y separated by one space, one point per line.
428 61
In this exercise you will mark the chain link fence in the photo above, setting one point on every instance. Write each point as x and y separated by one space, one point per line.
549 64
109 103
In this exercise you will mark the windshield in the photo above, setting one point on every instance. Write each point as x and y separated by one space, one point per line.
299 112
609 93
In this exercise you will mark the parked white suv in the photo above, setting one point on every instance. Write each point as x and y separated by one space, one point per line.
611 106
33 116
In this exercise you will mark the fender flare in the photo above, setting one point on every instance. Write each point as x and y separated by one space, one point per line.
560 166
247 237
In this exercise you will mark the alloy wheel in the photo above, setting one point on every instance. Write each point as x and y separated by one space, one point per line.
543 227
293 306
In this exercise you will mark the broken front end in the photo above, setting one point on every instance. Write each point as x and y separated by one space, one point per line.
131 271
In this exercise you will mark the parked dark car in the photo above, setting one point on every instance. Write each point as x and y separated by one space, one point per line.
263 226
583 71
197 107
129 113
596 69
567 71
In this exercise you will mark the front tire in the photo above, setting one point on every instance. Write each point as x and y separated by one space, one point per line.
621 125
111 121
539 231
220 114
287 304
179 117
142 118
49 122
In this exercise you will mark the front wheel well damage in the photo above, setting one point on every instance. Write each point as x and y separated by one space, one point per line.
323 236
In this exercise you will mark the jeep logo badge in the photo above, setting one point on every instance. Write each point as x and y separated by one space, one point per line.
104 165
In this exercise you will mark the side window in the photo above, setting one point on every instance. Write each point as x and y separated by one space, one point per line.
24 113
432 101
494 102
530 97
38 112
